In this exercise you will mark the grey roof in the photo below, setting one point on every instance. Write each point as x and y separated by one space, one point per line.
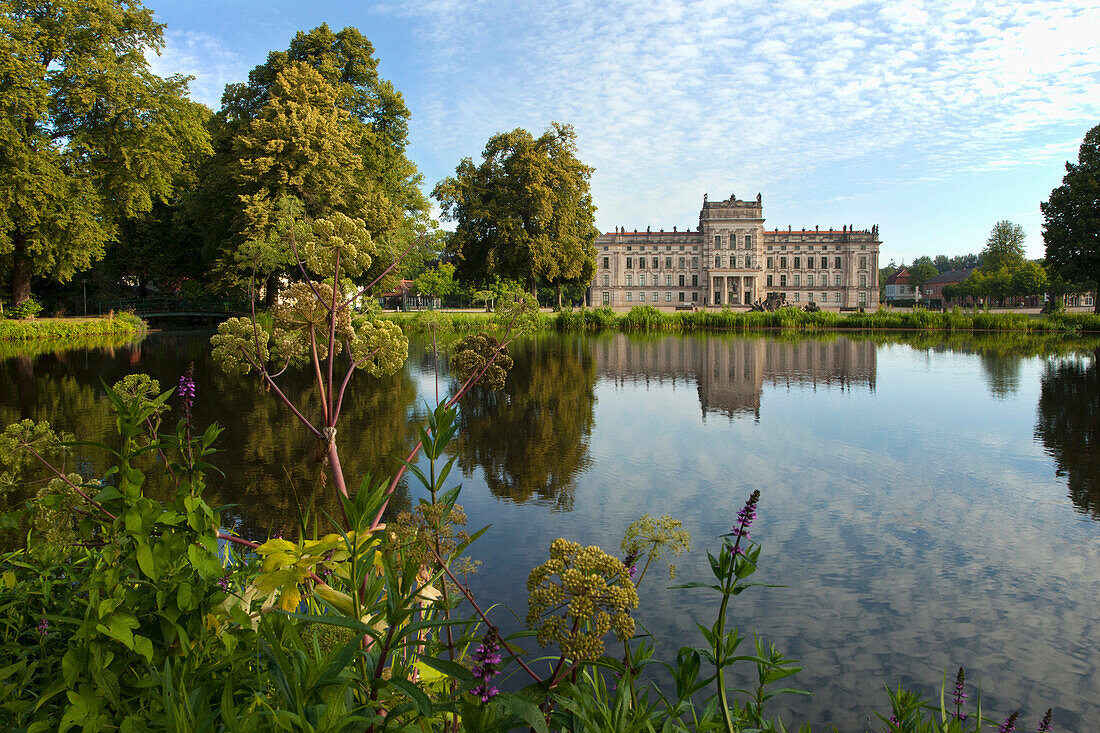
951 276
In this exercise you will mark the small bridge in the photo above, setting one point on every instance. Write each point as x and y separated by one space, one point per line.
176 307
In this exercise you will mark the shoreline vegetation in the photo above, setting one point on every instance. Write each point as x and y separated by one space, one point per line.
648 318
32 329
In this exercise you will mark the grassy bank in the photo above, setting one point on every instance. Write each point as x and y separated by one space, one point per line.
647 318
124 324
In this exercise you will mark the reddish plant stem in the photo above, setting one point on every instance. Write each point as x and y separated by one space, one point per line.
332 343
70 484
375 281
489 624
317 372
286 400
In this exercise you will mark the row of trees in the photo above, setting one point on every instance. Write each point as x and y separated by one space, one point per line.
113 173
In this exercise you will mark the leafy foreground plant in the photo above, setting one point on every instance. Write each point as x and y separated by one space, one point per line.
134 613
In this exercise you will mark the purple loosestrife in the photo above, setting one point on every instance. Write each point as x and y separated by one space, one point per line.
485 667
1045 726
1009 726
186 391
960 694
744 521
223 582
630 562
43 627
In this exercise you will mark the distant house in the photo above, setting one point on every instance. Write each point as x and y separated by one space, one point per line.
403 298
932 290
898 288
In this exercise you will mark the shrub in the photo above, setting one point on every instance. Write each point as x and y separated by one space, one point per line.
29 308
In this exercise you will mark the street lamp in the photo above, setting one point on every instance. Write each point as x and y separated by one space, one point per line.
84 280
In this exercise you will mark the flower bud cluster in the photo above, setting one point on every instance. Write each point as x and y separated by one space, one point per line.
577 596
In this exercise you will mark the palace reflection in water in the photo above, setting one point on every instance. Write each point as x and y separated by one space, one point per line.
730 372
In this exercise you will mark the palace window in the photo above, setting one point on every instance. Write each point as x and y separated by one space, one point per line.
629 296
695 297
837 263
681 281
681 297
605 280
797 280
655 261
718 261
717 240
862 299
748 241
629 263
606 298
606 262
681 263
641 279
668 263
694 281
769 280
824 263
863 262
810 280
668 281
654 295
862 280
824 297
695 263
782 263
782 281
771 263
836 297
797 296
797 264
629 279
641 263
836 279
718 299
668 297
641 297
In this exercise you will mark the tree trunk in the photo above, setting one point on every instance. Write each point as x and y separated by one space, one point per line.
271 291
559 296
534 288
20 269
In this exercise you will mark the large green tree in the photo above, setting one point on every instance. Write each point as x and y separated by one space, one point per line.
1071 218
350 108
525 212
1004 248
88 135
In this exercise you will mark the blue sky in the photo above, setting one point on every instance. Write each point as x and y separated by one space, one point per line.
931 119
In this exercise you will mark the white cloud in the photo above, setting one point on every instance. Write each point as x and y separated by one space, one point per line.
204 57
682 96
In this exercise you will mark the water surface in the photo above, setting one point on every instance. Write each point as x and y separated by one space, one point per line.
928 504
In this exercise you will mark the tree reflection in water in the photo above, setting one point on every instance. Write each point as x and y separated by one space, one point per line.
1069 426
532 438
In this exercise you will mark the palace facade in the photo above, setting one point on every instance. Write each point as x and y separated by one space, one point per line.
732 260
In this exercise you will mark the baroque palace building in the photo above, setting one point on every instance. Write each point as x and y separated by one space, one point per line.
732 260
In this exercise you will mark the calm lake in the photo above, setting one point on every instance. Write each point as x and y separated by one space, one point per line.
927 503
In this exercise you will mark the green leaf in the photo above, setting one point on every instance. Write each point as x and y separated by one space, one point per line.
447 667
145 561
414 693
143 646
525 710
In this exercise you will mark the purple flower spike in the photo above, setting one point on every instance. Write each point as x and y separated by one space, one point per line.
630 562
186 391
960 694
744 520
1045 726
485 667
43 627
1009 726
223 582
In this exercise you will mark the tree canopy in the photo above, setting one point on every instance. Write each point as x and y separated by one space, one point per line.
314 130
1004 248
1071 218
525 212
88 135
